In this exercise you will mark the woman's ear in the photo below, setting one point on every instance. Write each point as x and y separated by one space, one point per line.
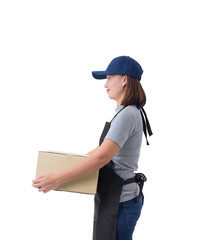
124 82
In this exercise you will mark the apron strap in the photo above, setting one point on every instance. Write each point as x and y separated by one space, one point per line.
119 112
139 178
145 121
146 124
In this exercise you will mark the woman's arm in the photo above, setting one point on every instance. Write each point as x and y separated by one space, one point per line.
100 157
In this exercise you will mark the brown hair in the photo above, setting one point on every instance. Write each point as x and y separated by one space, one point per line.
134 94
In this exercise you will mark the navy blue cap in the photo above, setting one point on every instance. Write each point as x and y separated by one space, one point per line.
123 65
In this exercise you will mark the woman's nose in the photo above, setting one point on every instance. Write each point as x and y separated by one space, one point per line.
105 85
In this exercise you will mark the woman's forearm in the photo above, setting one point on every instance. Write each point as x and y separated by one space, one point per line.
101 156
86 166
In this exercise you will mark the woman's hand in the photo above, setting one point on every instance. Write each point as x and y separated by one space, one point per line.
46 182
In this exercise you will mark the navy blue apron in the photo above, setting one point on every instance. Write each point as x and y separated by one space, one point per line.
109 190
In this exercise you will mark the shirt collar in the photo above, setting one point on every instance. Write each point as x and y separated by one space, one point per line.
119 108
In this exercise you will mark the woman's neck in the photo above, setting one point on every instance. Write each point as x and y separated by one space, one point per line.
119 101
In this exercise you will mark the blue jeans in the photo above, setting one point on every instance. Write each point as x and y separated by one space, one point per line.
128 215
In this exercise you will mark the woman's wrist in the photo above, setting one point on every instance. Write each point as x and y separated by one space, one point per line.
59 178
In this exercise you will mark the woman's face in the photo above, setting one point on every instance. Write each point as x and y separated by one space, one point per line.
115 86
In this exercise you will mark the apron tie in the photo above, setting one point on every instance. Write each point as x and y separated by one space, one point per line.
146 124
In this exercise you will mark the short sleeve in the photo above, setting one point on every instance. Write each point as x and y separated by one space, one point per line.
122 127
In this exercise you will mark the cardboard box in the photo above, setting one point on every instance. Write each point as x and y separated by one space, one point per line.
55 162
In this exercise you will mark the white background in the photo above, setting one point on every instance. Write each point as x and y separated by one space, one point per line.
49 101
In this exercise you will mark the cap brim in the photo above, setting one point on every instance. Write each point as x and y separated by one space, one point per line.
99 74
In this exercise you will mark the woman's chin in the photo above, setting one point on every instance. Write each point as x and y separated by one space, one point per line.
111 97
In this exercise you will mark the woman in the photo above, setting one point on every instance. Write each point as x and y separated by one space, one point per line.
119 197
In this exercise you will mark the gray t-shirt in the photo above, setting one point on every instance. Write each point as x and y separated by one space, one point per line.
126 130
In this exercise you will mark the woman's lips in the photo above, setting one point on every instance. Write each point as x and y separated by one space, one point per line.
108 90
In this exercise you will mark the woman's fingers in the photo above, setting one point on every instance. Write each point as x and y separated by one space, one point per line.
45 189
38 182
39 179
37 185
45 182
